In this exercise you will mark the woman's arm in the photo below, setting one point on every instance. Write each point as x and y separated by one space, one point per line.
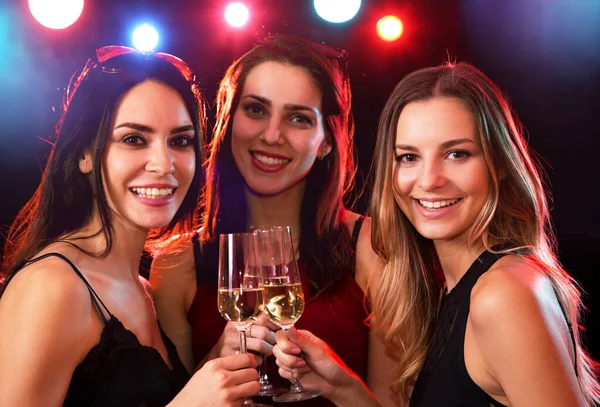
518 335
47 326
173 282
368 273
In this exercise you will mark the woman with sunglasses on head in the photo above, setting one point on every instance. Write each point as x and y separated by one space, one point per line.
77 323
282 154
475 305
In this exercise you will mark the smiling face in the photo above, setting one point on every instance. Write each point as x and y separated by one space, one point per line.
441 179
149 161
277 130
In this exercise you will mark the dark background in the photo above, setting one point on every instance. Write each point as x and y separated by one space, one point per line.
545 54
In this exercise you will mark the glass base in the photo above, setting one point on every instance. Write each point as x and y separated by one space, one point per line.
269 390
292 396
250 403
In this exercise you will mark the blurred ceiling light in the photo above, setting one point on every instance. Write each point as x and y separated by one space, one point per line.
337 11
389 28
56 14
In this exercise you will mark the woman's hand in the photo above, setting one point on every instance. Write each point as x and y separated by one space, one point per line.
303 354
222 382
260 340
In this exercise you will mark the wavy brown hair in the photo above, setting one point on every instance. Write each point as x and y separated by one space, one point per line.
516 215
328 181
66 198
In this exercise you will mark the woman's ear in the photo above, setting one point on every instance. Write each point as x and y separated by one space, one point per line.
85 162
324 149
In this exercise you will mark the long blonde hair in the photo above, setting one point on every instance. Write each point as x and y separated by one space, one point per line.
516 214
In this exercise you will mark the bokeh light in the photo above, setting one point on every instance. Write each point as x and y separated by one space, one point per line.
389 28
145 38
337 11
237 14
56 14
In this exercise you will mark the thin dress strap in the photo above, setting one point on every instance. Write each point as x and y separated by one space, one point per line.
93 294
355 232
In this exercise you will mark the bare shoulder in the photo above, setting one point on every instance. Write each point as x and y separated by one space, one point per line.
512 285
47 299
51 324
520 342
368 264
51 279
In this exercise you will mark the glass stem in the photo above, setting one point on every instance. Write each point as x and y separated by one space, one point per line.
296 386
243 341
263 379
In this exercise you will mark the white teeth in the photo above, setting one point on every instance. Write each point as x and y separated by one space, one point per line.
152 193
438 204
270 160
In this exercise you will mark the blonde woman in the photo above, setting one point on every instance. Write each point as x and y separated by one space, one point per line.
473 301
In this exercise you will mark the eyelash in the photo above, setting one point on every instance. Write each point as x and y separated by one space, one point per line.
135 137
189 141
258 110
305 120
464 154
254 109
401 157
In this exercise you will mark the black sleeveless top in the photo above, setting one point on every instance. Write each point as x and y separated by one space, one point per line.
444 379
119 371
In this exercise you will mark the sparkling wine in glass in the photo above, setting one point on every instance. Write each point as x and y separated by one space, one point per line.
267 389
240 293
282 292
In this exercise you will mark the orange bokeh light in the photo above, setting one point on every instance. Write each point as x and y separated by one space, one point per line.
389 28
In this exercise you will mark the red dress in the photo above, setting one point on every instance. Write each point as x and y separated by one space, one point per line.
337 316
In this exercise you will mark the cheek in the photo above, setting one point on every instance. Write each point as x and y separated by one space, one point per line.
243 129
114 168
308 146
476 181
403 181
187 165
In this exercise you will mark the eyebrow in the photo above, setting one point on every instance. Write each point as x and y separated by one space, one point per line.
287 106
148 129
446 144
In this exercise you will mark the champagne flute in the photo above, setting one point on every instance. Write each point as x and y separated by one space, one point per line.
240 294
282 292
266 387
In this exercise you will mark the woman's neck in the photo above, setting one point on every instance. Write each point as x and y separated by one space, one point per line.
278 210
126 249
456 256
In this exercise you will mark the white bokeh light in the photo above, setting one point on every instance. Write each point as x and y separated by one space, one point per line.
145 38
56 14
337 11
236 14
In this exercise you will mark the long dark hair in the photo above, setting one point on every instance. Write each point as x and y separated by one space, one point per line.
66 198
322 210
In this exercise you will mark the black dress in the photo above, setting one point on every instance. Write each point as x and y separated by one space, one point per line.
119 371
444 379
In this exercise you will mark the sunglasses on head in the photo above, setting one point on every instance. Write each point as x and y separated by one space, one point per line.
104 58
